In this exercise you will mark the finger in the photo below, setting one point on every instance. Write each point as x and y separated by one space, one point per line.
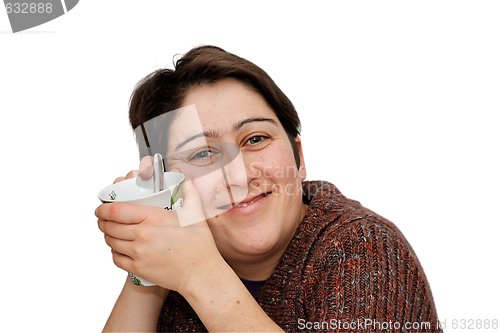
146 167
122 212
119 179
191 211
117 230
122 261
120 246
132 174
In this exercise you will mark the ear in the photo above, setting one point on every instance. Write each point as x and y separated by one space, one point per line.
302 165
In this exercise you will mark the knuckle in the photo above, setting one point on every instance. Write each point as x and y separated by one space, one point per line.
102 226
137 250
135 266
99 211
113 210
119 179
143 235
131 174
107 240
116 260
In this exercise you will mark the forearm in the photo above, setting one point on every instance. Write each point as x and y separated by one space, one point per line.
223 303
136 309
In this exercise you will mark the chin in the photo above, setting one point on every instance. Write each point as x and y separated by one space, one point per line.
256 245
244 238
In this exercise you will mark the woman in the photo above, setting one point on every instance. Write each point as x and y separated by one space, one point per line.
286 254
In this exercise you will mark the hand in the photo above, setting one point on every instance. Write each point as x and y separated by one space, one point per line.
150 242
145 170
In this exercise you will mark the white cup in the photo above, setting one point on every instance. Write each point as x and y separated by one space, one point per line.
140 191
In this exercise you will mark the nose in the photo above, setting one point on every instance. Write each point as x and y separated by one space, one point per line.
241 175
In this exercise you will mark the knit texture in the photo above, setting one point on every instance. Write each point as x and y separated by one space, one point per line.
345 265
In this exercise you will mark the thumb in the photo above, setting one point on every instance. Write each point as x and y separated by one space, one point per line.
146 167
192 210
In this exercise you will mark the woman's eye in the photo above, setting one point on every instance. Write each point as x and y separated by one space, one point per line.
256 139
201 155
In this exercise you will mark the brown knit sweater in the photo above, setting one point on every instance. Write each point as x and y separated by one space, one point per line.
347 269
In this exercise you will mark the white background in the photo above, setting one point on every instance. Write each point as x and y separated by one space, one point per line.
398 101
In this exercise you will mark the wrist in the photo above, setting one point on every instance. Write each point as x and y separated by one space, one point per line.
156 290
214 271
223 303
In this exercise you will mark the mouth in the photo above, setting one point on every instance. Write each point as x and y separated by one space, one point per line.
245 203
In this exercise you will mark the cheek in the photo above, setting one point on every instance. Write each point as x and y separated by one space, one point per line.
212 193
277 164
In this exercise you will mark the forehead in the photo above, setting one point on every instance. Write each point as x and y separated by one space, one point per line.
224 103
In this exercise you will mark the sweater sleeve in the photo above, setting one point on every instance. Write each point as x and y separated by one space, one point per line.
368 279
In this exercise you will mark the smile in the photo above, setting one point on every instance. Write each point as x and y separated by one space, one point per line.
245 203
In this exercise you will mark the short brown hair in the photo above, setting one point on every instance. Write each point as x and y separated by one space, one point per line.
165 89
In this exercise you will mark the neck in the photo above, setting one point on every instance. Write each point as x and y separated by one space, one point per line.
259 270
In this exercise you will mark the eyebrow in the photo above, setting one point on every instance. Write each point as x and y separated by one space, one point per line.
218 134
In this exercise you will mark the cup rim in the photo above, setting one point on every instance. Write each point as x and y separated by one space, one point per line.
105 190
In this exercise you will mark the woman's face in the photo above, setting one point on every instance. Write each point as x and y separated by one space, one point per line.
252 199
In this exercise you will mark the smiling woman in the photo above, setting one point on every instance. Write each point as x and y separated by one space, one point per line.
264 149
271 250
